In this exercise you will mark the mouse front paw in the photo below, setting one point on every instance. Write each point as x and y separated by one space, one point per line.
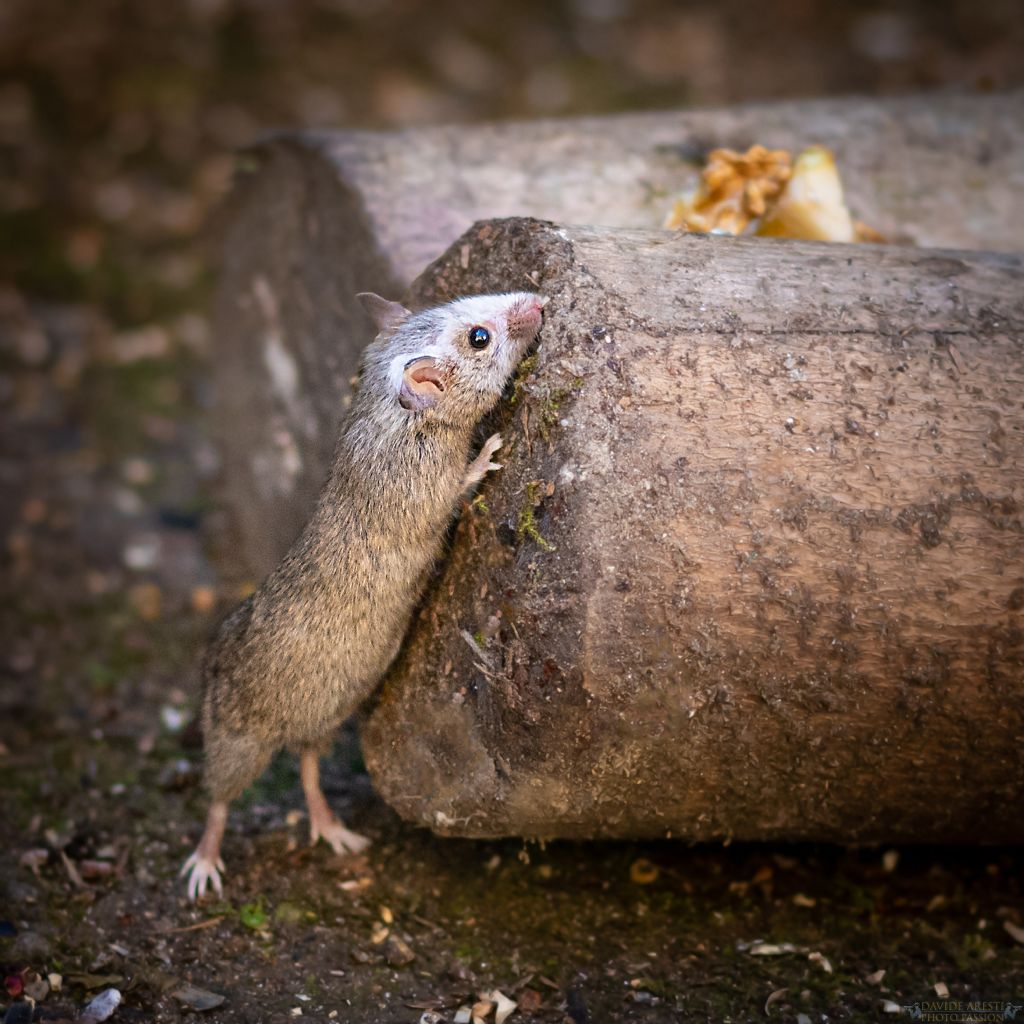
482 465
491 445
202 871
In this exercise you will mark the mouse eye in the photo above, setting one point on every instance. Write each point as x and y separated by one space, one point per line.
479 337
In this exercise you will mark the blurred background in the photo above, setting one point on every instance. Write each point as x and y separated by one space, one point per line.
118 124
118 118
119 121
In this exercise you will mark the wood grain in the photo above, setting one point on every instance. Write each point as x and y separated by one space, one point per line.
772 574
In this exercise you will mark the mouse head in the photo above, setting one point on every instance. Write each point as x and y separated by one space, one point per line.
452 362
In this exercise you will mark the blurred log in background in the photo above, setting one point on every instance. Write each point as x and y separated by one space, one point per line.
318 217
118 118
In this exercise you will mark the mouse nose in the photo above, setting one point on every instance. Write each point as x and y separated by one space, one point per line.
525 318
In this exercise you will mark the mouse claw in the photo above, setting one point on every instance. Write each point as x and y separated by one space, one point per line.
202 872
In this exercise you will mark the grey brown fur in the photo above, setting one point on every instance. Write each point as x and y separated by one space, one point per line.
299 655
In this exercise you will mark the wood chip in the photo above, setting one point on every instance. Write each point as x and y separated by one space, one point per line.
821 960
643 872
196 998
198 926
504 1007
530 1000
772 948
482 1009
69 867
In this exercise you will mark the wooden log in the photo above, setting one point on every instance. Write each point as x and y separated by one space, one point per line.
754 567
319 217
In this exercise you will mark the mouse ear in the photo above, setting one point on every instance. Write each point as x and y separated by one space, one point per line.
384 313
422 385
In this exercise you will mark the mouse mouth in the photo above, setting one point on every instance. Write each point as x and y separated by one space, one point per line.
424 375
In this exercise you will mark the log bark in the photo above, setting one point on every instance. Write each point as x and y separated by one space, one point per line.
754 567
318 217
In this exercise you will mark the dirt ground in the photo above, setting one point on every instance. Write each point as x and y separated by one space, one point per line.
117 124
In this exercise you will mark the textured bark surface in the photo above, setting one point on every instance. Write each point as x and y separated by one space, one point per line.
755 564
318 217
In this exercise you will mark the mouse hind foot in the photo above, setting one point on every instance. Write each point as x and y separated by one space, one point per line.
340 839
323 823
202 872
233 760
204 866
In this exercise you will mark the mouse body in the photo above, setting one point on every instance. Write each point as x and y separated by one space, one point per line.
299 655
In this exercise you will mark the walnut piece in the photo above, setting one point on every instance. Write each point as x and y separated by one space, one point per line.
773 195
735 189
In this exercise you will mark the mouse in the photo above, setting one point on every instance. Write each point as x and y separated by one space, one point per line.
311 643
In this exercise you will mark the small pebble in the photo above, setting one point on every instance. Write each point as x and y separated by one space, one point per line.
137 471
100 1008
147 601
141 553
203 599
33 511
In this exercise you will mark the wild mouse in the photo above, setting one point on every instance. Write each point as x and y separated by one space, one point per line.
302 652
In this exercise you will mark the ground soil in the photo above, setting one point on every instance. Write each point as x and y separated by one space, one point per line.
116 126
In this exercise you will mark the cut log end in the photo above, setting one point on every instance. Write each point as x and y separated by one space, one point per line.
750 568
